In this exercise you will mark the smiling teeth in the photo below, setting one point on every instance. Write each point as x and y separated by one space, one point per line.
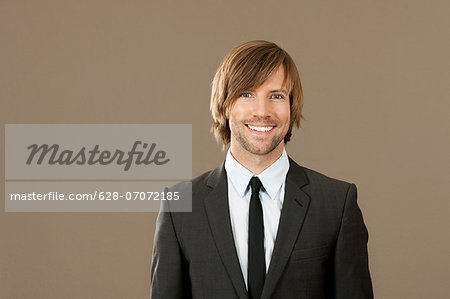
260 129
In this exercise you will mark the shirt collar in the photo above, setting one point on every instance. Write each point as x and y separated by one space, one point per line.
272 178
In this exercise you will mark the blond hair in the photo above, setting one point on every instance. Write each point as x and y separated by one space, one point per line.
245 67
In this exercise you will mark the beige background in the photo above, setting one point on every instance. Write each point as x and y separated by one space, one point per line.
376 81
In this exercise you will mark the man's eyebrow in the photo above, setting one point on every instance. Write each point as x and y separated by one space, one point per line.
279 90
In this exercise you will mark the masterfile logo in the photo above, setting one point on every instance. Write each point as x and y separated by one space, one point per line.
108 151
52 155
97 168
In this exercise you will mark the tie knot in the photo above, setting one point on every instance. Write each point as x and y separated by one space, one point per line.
256 184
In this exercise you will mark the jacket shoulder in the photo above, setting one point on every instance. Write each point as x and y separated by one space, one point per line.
320 183
316 177
201 179
194 182
327 194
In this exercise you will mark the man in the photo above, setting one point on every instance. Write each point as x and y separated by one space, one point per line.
261 226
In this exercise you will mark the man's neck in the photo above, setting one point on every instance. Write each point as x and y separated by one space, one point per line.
257 163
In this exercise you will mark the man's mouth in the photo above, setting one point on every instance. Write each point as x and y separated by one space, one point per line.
260 128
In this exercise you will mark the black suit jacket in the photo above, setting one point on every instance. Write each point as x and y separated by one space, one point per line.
320 249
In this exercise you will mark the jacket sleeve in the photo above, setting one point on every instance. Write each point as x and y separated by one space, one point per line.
169 272
352 277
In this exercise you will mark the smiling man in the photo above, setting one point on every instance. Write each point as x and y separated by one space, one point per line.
261 225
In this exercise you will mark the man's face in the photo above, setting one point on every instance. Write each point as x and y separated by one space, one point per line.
259 118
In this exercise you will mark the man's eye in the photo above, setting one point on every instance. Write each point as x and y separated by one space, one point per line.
277 96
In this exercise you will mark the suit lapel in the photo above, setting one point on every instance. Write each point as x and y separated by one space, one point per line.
293 213
217 210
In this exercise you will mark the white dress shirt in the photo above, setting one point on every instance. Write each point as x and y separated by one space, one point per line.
271 195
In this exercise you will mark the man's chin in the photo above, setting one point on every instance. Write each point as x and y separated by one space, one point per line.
262 150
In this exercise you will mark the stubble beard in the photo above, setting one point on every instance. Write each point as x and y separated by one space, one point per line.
247 145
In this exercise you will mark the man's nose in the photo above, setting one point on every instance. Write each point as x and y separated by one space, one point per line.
261 106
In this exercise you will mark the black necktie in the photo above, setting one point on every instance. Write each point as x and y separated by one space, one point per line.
256 259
